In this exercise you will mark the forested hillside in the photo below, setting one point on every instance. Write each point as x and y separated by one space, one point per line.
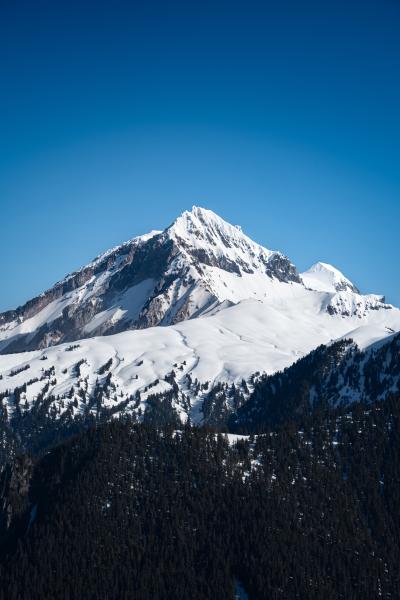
309 510
332 376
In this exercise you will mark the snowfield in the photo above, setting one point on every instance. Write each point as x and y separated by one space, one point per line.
229 346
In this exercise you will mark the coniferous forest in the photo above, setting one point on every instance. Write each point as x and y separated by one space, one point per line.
307 510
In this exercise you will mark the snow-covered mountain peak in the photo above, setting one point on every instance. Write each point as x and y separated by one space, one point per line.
198 266
203 228
323 277
210 240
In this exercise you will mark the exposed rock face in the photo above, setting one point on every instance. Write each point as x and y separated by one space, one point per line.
76 300
355 305
280 267
157 279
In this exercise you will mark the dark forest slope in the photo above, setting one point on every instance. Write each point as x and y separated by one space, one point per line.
309 511
335 375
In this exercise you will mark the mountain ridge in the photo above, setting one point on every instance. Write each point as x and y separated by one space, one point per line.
198 265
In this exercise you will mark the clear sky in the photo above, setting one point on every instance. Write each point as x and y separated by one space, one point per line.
116 116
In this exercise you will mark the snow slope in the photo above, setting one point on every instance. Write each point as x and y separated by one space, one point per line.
228 346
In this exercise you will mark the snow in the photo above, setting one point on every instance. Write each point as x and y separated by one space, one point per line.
202 228
323 277
234 438
46 315
370 335
232 344
125 306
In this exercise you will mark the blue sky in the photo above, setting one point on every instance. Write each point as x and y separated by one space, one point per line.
117 116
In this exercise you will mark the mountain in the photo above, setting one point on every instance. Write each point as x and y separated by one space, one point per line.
344 298
189 313
196 265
